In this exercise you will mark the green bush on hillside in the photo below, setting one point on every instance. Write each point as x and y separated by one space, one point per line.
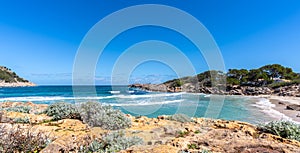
178 83
179 118
62 110
20 139
22 120
21 109
285 129
96 115
114 142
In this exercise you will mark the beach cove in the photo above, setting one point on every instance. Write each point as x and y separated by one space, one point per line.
252 109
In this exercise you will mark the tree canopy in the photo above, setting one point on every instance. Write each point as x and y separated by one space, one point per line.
262 76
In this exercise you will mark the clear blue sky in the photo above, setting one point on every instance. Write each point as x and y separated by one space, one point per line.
39 38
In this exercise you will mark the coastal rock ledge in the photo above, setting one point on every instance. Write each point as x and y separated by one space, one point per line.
17 84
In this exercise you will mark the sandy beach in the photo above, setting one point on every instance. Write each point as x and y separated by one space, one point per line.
279 104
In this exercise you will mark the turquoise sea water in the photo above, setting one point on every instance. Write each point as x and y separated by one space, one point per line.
151 104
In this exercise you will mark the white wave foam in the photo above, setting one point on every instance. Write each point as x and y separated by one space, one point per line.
54 98
145 103
130 91
207 96
200 94
58 98
268 108
264 104
150 95
114 92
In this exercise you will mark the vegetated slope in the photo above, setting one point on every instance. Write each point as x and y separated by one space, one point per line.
8 76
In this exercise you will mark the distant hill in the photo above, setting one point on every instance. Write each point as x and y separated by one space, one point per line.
266 76
270 79
8 78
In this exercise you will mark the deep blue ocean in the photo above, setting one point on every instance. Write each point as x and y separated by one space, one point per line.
152 104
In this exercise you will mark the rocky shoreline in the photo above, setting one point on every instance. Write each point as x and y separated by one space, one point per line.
292 90
160 135
17 84
288 107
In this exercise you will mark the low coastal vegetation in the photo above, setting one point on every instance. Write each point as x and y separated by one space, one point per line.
92 113
96 115
21 109
21 120
62 110
179 118
18 139
284 129
113 142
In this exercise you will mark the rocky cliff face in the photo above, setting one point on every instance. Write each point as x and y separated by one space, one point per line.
8 78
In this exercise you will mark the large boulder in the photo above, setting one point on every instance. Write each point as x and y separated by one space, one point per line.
293 107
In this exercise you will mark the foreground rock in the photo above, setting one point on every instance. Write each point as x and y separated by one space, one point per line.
210 135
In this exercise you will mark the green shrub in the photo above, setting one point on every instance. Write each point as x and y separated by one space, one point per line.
17 139
114 142
179 118
96 115
193 146
62 110
285 129
205 151
177 83
197 132
182 133
21 120
21 109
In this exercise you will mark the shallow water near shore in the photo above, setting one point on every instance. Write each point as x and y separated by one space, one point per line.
151 104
